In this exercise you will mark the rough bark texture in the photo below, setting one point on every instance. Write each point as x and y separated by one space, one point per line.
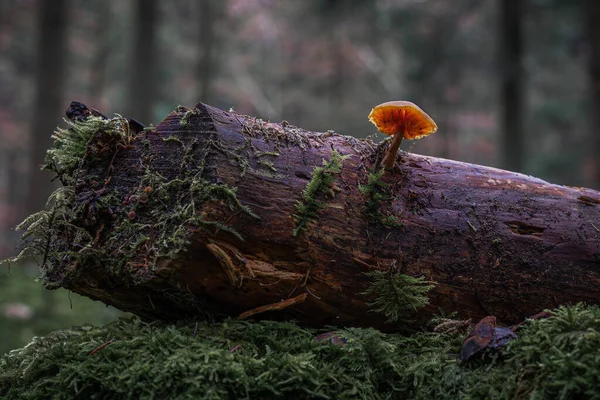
494 242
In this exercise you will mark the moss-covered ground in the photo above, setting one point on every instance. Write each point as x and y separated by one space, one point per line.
554 358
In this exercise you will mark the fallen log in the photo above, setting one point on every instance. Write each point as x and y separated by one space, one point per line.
213 211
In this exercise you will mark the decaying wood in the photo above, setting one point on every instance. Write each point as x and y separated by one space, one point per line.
493 242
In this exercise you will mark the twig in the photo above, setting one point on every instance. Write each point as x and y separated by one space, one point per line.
274 307
97 349
312 294
471 225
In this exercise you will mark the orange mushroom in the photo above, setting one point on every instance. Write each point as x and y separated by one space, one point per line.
402 120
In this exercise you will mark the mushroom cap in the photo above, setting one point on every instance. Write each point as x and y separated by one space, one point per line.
413 123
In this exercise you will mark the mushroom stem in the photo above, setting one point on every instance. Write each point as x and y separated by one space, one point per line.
390 156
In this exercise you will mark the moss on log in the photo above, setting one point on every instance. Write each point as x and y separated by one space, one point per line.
217 212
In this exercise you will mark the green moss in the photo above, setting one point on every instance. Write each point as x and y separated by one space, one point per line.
71 145
375 192
553 358
266 153
43 228
397 295
320 183
125 230
289 136
173 139
187 115
267 164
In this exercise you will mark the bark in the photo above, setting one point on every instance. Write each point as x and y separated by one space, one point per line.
494 242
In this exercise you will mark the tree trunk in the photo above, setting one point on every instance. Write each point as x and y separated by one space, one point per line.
217 211
592 19
52 46
52 50
511 12
142 83
101 52
209 11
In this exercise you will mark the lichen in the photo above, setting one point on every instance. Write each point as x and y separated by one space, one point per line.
397 295
320 183
284 134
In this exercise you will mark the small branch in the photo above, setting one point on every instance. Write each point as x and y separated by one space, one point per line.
102 346
274 307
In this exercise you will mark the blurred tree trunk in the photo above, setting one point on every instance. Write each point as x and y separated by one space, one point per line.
592 15
208 13
100 59
334 22
4 200
511 12
337 52
141 91
52 52
13 198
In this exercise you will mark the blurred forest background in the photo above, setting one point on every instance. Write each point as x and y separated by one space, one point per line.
511 83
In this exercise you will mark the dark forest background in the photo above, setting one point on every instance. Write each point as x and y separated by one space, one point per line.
511 83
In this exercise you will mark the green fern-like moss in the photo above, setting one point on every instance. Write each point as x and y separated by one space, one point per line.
71 144
375 193
553 358
321 181
153 223
41 229
397 295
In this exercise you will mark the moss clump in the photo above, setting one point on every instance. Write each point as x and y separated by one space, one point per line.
187 115
398 295
266 153
321 182
42 228
553 358
375 192
267 164
71 145
123 228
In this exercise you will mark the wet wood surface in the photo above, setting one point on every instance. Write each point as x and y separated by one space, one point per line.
493 242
